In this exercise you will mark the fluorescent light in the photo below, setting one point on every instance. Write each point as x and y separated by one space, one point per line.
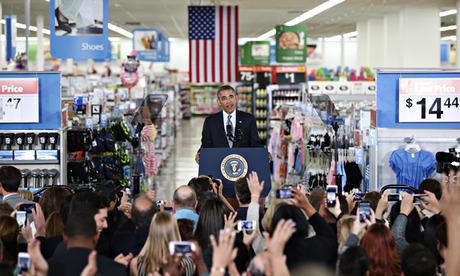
333 38
268 34
448 28
114 39
448 12
350 34
313 12
120 30
452 38
31 28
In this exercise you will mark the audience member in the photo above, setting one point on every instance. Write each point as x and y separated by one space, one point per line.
429 236
9 233
10 179
26 194
184 203
268 216
200 184
344 229
353 262
81 235
52 199
186 229
417 260
373 198
5 209
115 217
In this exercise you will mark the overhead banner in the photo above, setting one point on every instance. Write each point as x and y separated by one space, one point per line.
79 29
255 53
10 31
151 45
291 44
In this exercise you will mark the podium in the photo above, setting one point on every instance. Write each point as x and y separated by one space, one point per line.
229 164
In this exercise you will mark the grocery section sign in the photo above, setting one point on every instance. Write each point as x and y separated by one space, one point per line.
291 44
429 100
19 100
255 53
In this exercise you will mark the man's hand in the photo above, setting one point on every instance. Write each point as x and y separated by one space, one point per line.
407 203
255 187
431 203
39 220
336 209
124 260
382 206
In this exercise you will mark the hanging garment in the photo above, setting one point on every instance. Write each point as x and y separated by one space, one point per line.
331 174
354 176
412 168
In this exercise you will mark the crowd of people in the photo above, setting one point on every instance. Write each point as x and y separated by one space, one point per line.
101 232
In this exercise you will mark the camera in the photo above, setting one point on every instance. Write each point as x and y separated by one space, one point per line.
181 248
331 194
283 193
246 224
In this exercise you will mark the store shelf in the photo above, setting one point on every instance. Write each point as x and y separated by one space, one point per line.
12 162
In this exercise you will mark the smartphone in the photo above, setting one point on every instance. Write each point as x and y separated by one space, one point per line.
394 197
246 224
23 262
160 202
283 193
21 217
331 194
27 207
182 248
364 210
358 196
168 209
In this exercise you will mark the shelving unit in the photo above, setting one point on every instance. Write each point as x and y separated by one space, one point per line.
245 97
185 102
261 113
203 99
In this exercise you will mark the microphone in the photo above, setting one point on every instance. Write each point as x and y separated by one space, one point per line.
229 133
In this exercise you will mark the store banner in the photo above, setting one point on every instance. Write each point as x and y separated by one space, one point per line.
291 44
79 29
10 33
255 53
151 45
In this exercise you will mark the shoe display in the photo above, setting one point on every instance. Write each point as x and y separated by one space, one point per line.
63 23
89 30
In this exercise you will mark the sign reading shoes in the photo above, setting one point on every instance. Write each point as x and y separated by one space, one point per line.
19 100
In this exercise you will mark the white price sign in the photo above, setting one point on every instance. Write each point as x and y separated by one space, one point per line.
429 100
19 100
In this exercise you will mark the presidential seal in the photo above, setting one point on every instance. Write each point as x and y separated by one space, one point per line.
233 167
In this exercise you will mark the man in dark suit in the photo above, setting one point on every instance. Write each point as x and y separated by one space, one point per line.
10 179
229 128
80 236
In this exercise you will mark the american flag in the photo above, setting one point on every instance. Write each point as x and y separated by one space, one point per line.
213 43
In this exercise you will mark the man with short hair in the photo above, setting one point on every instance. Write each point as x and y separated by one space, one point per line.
10 179
243 195
125 241
184 204
81 236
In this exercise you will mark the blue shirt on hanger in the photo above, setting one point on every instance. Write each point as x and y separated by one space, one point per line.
412 168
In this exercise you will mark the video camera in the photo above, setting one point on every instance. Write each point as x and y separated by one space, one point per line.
447 161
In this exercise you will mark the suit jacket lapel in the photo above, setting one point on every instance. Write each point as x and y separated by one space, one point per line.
221 126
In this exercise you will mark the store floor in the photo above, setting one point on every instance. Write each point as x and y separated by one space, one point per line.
180 165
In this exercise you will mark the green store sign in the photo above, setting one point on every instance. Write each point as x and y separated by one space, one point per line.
291 44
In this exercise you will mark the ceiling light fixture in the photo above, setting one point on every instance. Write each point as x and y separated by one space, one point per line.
23 26
307 15
120 30
448 28
448 12
350 34
452 38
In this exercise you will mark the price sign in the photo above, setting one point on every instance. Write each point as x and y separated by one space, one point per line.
19 100
429 100
246 73
290 74
264 75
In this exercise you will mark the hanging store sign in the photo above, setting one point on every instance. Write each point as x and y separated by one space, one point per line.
151 45
19 100
255 53
291 44
290 74
264 75
246 73
429 100
79 31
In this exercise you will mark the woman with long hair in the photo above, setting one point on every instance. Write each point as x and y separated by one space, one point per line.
380 246
163 229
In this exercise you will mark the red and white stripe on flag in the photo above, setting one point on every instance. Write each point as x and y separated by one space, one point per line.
216 60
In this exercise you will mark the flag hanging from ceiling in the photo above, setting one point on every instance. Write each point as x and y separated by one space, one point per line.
213 43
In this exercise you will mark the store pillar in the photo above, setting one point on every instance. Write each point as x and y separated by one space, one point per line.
40 57
363 58
392 41
420 37
375 43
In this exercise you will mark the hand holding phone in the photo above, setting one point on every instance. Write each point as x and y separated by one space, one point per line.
21 217
249 225
23 262
331 194
182 248
27 207
364 210
283 193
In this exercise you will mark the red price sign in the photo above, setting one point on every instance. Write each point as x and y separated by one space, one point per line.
19 100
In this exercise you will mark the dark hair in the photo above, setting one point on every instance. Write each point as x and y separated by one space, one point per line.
9 231
242 190
243 257
431 185
202 198
65 208
429 236
413 232
82 224
88 202
184 196
354 262
141 216
417 260
225 87
374 198
10 178
441 234
5 208
107 190
185 228
52 199
316 197
291 212
200 184
210 221
343 204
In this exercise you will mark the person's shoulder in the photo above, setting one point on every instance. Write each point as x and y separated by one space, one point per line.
109 266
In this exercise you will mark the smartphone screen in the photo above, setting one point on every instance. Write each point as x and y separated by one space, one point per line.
23 262
364 210
331 193
358 196
283 193
21 218
27 207
168 209
394 197
246 224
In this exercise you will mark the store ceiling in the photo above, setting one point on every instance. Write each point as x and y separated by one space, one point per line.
256 16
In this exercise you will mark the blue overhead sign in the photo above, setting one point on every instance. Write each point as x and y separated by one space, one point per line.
151 45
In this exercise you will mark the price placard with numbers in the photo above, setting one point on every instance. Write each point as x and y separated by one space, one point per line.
429 100
246 73
19 100
290 74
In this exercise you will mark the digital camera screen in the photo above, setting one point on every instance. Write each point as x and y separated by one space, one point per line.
284 193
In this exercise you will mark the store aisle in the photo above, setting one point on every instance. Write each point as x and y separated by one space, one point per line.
180 165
